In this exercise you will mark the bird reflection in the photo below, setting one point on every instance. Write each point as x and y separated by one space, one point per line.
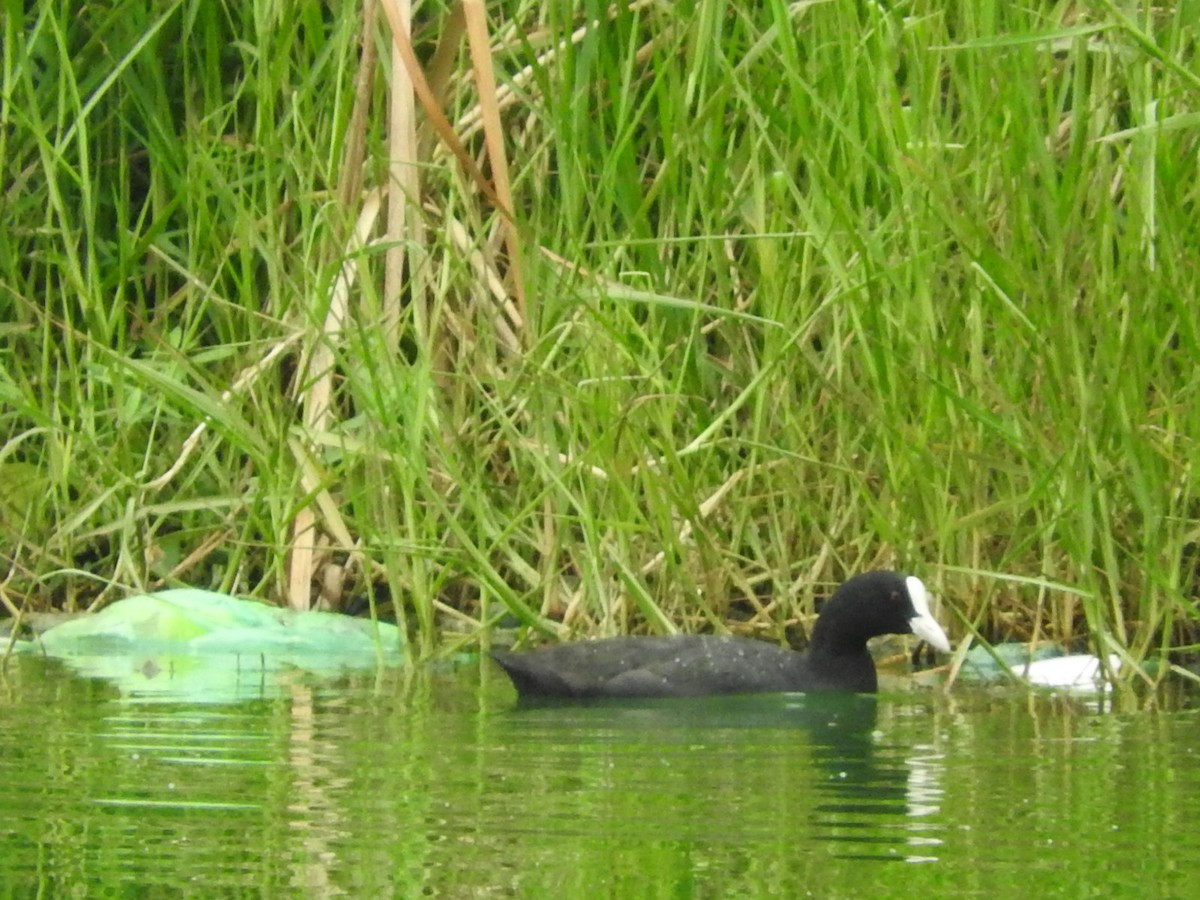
812 766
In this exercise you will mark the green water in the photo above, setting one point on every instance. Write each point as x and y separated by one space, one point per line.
436 785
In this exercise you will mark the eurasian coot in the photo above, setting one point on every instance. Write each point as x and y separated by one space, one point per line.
683 665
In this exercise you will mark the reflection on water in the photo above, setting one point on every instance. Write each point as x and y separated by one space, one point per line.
833 778
416 785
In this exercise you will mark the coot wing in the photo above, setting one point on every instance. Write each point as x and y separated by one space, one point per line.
667 666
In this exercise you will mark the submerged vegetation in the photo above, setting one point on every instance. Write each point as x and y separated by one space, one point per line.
685 310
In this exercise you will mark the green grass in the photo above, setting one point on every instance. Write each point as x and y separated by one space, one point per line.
806 289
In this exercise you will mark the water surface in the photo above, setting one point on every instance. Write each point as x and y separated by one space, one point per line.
438 784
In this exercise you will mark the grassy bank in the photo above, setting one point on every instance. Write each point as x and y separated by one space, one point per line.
789 291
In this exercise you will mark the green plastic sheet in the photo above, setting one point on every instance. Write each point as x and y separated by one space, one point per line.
200 645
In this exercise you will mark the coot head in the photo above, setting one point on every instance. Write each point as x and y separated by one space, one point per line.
872 604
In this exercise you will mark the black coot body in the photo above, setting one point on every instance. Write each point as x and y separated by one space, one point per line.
683 665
